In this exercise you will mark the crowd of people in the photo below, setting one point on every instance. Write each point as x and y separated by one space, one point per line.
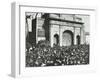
55 56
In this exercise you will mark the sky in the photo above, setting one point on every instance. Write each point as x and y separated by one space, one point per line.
86 21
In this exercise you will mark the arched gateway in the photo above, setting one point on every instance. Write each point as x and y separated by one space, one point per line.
67 38
56 39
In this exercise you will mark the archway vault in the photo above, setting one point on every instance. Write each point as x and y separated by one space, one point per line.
78 39
56 39
67 38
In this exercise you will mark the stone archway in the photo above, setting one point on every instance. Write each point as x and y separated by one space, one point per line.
56 39
78 39
67 38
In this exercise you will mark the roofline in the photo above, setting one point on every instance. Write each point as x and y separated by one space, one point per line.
66 21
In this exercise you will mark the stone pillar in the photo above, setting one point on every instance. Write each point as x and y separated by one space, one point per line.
36 30
51 36
75 37
60 35
82 35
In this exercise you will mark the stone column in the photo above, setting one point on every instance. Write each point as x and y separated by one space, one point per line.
82 35
75 37
36 30
51 36
60 35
